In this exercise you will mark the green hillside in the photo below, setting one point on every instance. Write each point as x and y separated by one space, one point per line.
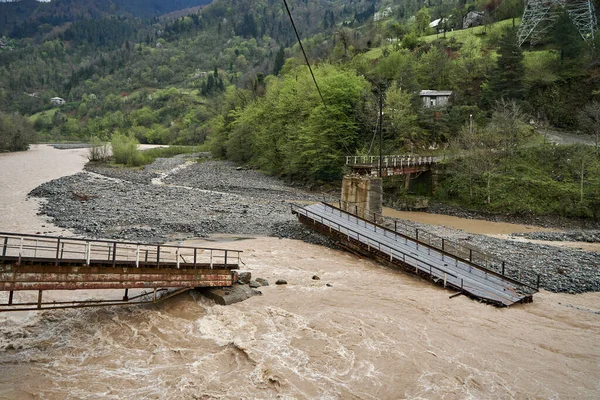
232 77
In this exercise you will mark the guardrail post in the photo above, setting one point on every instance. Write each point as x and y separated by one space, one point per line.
157 256
39 303
88 253
114 254
195 253
5 246
395 226
211 258
225 258
20 251
471 257
417 233
10 298
177 257
137 256
57 250
503 264
538 281
443 249
444 279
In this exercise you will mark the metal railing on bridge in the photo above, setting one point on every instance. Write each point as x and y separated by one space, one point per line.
40 263
64 250
401 161
454 247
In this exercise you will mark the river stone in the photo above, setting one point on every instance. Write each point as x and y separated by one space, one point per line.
244 277
232 295
281 282
316 278
254 284
262 281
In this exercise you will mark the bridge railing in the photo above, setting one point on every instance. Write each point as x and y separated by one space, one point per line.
63 250
402 161
432 270
453 247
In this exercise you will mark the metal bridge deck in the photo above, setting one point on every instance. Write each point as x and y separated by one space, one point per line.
442 267
39 263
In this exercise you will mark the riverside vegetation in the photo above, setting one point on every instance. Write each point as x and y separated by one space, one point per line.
230 76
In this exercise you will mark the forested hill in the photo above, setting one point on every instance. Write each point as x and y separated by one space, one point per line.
26 18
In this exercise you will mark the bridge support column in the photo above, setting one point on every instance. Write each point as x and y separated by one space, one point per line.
363 195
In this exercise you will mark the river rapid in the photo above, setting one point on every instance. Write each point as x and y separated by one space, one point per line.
360 331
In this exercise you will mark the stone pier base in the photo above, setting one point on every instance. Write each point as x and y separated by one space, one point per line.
362 195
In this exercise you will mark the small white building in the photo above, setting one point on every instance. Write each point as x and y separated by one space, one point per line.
435 98
439 24
57 101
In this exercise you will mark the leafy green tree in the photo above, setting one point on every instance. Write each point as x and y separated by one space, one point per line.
400 118
435 70
16 133
422 21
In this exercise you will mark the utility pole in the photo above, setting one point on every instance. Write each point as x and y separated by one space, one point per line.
380 132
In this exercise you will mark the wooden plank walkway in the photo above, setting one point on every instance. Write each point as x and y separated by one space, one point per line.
440 266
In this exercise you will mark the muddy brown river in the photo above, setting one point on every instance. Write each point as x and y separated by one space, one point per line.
372 333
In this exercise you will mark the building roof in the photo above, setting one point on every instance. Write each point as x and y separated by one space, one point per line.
56 98
435 93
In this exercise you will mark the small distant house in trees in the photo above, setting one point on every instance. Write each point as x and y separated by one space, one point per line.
435 98
438 24
57 101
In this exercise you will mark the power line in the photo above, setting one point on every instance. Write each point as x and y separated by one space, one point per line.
311 71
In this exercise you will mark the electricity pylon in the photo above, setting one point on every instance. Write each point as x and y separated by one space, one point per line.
540 15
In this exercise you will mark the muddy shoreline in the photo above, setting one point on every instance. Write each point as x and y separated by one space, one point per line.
178 199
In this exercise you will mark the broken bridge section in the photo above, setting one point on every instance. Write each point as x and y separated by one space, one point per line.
441 265
40 263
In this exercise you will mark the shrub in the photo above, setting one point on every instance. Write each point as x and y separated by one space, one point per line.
98 151
125 150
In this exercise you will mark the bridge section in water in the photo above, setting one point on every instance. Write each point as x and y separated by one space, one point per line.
411 254
41 263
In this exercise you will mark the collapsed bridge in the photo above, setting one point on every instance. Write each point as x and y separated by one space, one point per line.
41 263
445 264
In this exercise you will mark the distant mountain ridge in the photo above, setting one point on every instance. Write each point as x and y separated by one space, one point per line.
25 17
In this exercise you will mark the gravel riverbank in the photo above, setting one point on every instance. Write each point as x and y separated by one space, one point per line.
179 198
197 200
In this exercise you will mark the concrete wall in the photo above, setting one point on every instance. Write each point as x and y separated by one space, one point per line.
362 195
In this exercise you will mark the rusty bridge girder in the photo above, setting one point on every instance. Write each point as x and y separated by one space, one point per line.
40 263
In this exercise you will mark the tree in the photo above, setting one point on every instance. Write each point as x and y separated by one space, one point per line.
589 121
509 125
422 21
507 78
570 46
279 61
400 116
16 133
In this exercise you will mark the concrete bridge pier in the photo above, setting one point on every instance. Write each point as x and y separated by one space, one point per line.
362 195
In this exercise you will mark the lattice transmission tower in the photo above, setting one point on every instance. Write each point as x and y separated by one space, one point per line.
540 15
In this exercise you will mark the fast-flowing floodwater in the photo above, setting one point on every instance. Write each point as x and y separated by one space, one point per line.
361 331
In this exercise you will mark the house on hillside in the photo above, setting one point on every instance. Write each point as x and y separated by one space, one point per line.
57 101
435 98
439 24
